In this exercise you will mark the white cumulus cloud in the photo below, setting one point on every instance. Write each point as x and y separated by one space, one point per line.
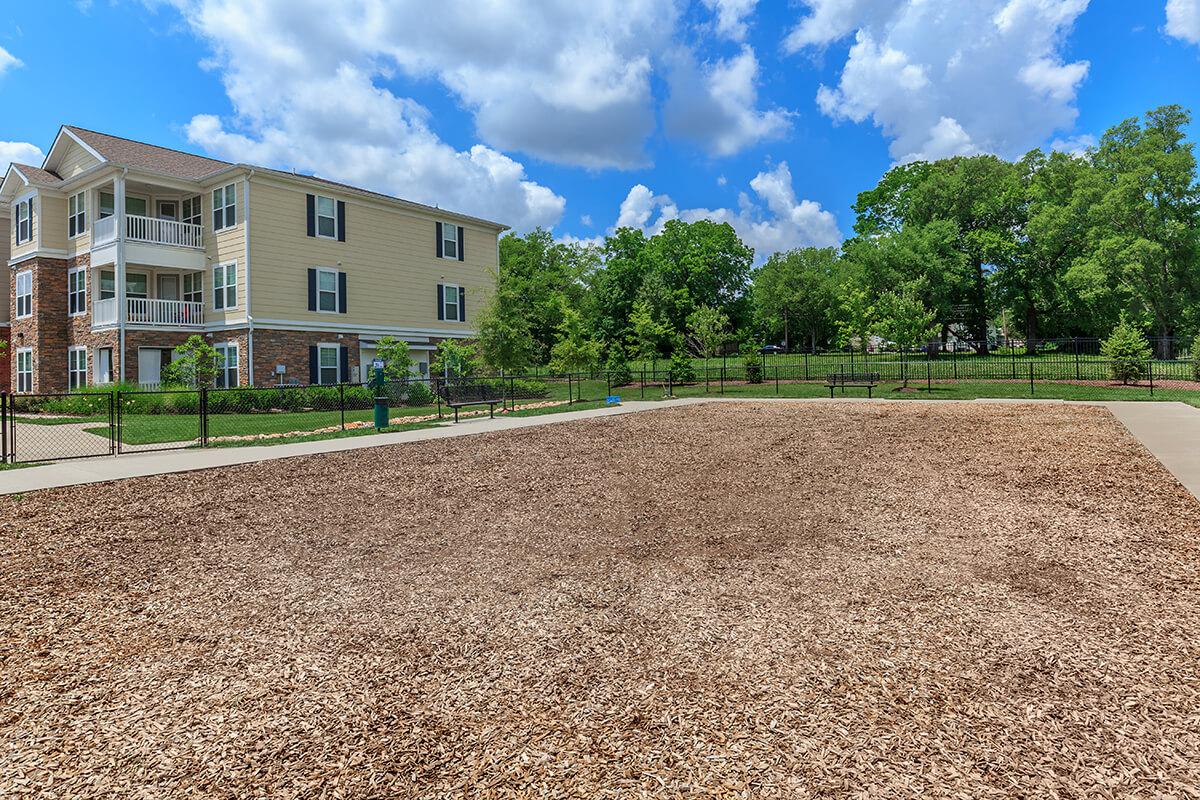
1183 20
19 153
731 16
7 61
771 220
942 77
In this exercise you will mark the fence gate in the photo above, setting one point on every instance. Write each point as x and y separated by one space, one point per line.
53 427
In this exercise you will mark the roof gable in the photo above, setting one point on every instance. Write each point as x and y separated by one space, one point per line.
139 155
70 155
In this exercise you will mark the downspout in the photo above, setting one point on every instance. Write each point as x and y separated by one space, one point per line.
119 277
246 271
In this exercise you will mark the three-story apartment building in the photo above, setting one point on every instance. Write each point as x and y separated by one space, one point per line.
118 251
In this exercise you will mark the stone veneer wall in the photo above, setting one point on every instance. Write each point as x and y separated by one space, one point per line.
46 329
290 348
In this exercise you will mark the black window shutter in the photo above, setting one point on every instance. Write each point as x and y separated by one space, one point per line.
441 303
341 293
460 242
312 215
341 223
462 303
314 373
439 238
312 289
344 363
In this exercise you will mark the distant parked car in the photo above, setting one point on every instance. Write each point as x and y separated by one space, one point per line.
771 350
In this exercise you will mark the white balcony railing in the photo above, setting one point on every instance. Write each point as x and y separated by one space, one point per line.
145 311
150 231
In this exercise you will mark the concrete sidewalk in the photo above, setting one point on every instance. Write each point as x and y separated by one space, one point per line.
135 465
1170 431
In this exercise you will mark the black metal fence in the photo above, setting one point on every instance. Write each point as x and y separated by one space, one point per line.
51 427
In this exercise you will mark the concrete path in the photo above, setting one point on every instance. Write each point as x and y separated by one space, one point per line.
1171 431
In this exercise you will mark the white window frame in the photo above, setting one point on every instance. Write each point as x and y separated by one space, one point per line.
227 289
336 291
196 293
78 274
450 290
23 215
337 364
449 226
331 216
24 376
76 215
225 206
100 205
77 375
97 378
23 293
224 366
194 214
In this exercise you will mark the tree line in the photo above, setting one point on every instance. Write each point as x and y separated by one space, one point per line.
972 249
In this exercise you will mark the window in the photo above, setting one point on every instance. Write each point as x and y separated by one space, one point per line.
326 217
190 211
450 306
136 285
449 241
24 294
224 208
108 205
25 369
108 285
193 287
328 356
76 291
76 216
133 205
227 365
327 290
25 221
76 368
224 286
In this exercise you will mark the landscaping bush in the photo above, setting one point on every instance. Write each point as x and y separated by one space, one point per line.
752 365
1127 351
682 369
419 394
617 368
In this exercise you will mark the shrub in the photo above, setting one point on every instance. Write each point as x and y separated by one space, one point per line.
682 369
617 368
752 365
1127 352
419 394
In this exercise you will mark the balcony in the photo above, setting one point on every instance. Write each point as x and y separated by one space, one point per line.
144 311
159 242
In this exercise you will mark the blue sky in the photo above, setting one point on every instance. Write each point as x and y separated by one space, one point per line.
583 116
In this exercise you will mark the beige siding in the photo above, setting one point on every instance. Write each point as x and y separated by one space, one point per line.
29 246
5 272
53 223
74 161
225 246
389 257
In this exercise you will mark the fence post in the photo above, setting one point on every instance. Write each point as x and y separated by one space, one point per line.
1076 340
1150 364
112 425
954 358
342 403
570 397
436 393
1012 356
204 416
722 379
670 383
776 379
805 365
1031 379
928 377
4 427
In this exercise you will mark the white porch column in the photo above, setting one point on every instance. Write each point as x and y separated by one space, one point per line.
119 267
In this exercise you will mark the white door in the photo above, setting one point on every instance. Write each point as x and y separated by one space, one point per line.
149 366
365 356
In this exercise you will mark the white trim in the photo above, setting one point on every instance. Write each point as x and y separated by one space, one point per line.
225 223
237 364
350 327
337 299
77 348
75 138
317 215
337 362
80 230
457 308
224 266
17 353
18 260
457 243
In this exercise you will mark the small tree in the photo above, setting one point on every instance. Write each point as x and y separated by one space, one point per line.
455 358
856 318
505 338
197 364
397 362
751 363
1127 352
682 368
902 318
708 330
646 332
617 367
574 351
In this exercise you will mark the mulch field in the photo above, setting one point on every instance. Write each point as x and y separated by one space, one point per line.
730 600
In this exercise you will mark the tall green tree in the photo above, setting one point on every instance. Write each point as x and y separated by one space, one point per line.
796 292
614 288
574 350
701 263
708 331
505 339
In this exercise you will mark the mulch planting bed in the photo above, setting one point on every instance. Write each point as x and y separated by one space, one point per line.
760 600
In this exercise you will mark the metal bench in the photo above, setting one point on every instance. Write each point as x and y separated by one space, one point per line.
852 380
458 394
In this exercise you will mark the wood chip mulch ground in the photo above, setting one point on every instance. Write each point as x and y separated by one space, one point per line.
729 600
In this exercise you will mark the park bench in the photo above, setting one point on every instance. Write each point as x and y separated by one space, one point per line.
854 380
458 394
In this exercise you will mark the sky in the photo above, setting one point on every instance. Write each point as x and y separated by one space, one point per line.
581 117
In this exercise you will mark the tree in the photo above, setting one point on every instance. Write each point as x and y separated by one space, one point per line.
646 333
455 358
902 318
574 351
396 358
1127 352
505 340
702 263
796 290
1148 218
708 330
855 317
615 287
197 364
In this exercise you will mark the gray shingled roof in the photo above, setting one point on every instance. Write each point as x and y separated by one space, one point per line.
140 155
38 175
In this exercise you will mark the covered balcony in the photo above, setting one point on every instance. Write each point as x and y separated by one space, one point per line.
162 225
149 230
154 297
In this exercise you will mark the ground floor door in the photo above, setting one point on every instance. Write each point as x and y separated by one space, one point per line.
151 361
366 354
